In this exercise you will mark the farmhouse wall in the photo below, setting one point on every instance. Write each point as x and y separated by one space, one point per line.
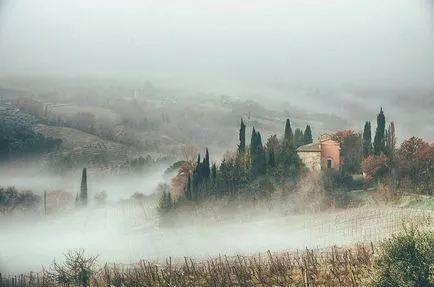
330 150
312 160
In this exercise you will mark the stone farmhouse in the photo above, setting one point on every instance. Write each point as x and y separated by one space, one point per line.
320 155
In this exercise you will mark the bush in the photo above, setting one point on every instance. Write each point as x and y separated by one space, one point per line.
77 270
336 185
11 199
407 259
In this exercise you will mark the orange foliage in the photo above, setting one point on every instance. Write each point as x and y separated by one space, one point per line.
181 178
415 162
373 165
341 135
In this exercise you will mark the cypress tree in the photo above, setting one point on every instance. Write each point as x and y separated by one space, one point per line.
259 164
289 136
199 168
379 145
271 158
367 140
391 138
298 137
242 136
307 135
83 190
206 169
253 142
196 186
214 172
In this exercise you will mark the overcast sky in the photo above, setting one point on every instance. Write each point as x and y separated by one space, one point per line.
336 41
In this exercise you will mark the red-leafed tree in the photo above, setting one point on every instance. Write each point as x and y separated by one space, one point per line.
414 163
179 181
375 166
341 135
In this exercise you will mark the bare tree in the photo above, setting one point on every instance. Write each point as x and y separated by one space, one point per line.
189 152
77 269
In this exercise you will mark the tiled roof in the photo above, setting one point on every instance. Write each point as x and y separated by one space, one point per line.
313 147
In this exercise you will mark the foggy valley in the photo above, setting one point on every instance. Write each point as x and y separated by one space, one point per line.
143 132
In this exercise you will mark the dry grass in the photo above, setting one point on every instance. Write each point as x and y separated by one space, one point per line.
333 267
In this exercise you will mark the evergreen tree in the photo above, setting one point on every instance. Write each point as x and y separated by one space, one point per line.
166 202
271 159
214 172
83 190
242 136
308 135
259 164
198 165
253 141
289 136
391 139
206 168
298 138
196 186
379 143
367 140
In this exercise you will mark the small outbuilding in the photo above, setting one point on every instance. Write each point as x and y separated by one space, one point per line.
320 155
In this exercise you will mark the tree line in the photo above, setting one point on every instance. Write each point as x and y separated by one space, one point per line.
251 170
21 141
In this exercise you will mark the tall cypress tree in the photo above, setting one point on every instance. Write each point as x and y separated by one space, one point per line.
367 140
199 166
83 190
391 138
253 142
308 135
271 158
205 167
259 163
289 136
379 144
242 136
214 172
298 138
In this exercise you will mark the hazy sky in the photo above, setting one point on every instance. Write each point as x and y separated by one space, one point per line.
311 40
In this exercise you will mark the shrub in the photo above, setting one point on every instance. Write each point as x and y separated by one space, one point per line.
407 259
414 164
375 166
77 270
336 185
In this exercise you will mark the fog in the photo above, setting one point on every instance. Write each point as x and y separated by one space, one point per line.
307 54
127 234
117 187
325 42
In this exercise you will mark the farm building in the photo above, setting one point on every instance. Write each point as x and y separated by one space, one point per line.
322 154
